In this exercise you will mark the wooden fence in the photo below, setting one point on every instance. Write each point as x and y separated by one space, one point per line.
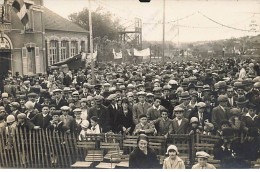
23 148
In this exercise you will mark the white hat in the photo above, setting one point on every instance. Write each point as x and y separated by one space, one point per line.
201 104
84 124
172 147
29 104
65 108
10 118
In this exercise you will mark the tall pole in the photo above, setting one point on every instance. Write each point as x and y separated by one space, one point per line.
163 30
91 43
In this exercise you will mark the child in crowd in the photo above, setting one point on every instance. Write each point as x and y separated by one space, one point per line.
55 124
84 130
163 124
173 161
95 129
194 127
144 127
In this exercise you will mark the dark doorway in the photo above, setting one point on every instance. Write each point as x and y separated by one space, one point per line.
5 61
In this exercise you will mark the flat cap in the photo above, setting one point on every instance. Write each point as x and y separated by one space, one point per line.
111 96
15 104
202 154
77 110
201 105
194 119
178 108
57 90
84 124
222 98
65 108
141 93
32 94
83 100
21 116
4 95
167 87
185 95
90 98
150 95
157 88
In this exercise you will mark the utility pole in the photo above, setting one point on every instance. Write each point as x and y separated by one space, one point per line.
91 43
163 30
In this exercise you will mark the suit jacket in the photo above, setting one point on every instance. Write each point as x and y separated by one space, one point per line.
177 164
153 113
149 129
207 166
187 110
113 115
218 115
61 103
69 123
250 122
103 117
182 129
234 98
206 117
163 126
138 110
41 121
125 120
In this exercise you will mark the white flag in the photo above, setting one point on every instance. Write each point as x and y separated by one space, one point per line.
117 55
145 52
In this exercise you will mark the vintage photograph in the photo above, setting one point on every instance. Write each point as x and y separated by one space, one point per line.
125 84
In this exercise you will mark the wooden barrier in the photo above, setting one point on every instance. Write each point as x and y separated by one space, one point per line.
23 148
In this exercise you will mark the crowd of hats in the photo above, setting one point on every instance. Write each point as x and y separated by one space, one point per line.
181 79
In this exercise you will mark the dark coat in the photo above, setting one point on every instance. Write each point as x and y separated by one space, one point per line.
41 121
103 117
113 116
206 117
125 120
61 103
218 115
163 126
182 129
139 160
139 110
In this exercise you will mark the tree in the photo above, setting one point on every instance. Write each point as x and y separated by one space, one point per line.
102 23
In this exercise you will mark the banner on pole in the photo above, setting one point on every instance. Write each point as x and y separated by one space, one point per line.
145 52
117 55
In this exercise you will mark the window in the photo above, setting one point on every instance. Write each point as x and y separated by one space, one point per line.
53 53
64 50
74 48
82 45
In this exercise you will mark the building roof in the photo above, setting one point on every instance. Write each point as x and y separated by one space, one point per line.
54 21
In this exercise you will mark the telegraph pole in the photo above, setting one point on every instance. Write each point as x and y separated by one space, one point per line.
91 43
163 30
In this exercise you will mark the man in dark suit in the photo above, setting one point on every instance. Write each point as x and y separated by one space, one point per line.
69 123
100 111
14 108
141 107
231 98
180 124
221 112
200 113
113 111
59 101
251 118
42 119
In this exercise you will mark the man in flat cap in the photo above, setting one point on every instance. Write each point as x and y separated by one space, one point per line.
100 111
69 123
200 113
180 124
5 102
141 107
221 112
59 101
203 161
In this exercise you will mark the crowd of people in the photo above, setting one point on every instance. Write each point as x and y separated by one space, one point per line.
211 96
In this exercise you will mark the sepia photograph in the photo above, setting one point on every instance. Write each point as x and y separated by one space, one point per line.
130 84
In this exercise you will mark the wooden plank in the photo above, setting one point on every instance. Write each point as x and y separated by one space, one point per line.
8 160
81 164
47 149
9 151
38 148
41 149
3 152
74 141
16 146
31 149
51 135
26 148
34 148
64 155
57 140
68 148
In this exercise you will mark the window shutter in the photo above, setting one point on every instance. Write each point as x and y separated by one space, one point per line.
37 60
25 61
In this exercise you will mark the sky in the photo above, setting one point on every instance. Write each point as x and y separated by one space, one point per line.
186 20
